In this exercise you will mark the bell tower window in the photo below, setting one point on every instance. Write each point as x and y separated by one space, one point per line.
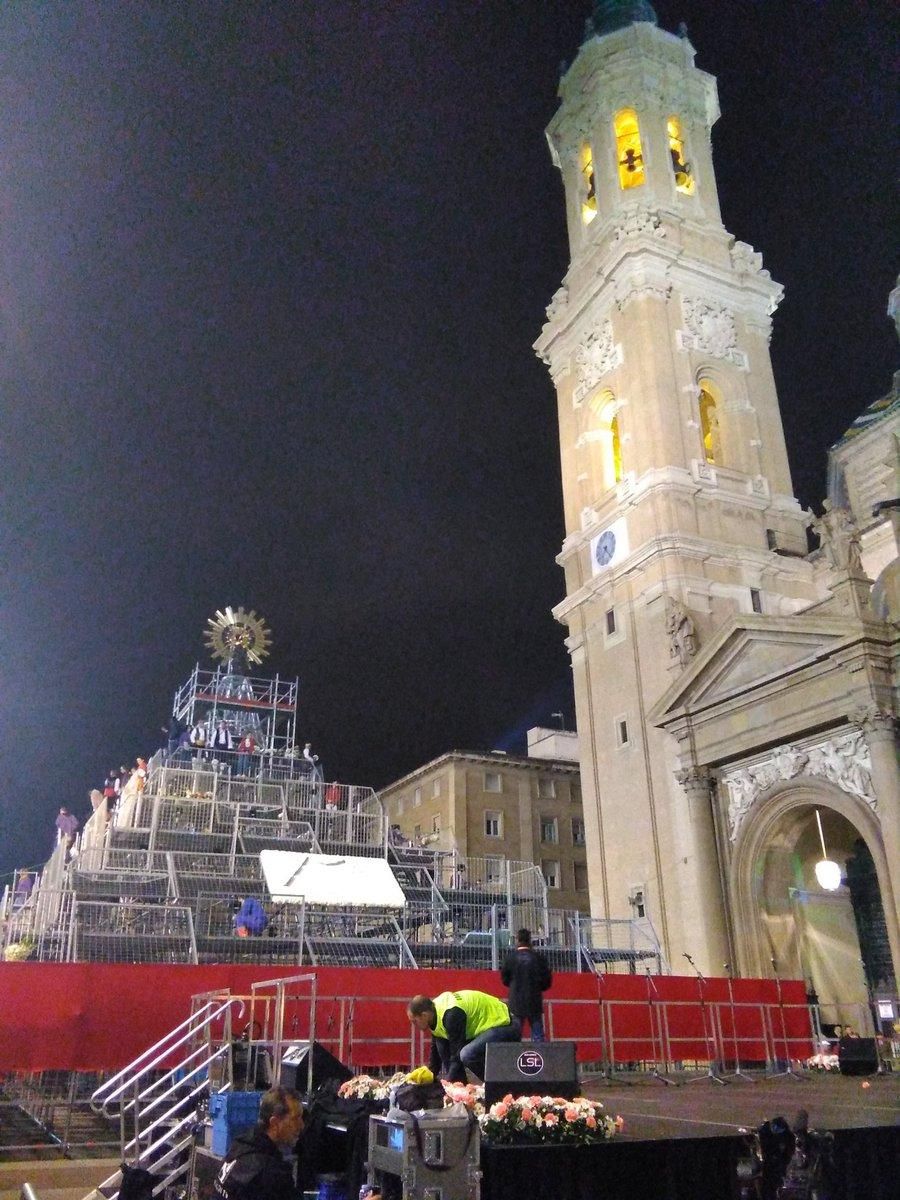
629 155
681 169
616 448
588 190
709 423
606 438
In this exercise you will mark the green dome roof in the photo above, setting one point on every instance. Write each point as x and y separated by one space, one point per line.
610 15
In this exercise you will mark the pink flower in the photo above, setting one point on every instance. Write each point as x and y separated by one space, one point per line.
527 1114
551 1119
591 1122
499 1110
571 1114
620 1123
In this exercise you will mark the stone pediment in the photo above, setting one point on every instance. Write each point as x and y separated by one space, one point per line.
749 653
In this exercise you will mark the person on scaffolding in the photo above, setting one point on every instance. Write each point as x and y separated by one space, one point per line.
462 1024
257 1165
251 919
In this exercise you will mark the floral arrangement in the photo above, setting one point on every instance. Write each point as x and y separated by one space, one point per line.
823 1062
528 1120
367 1087
471 1095
547 1120
18 951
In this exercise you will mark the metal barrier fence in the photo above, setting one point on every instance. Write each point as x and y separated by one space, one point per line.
197 803
370 1033
59 1102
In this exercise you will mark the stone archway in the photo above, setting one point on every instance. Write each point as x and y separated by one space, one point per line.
784 923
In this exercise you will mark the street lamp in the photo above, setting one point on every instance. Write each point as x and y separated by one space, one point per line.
828 873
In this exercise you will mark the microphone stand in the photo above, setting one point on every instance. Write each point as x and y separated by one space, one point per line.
608 1075
788 1071
655 1073
737 1073
712 1067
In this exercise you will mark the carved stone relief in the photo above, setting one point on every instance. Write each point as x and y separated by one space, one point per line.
594 358
636 221
681 632
745 260
844 761
710 328
558 304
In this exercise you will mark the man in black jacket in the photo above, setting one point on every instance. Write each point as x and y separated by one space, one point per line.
527 975
255 1167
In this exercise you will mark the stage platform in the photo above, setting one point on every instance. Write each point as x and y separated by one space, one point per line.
685 1142
699 1108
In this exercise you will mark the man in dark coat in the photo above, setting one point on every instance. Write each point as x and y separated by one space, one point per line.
527 975
255 1167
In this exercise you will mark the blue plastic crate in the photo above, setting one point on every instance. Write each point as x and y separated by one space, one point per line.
231 1114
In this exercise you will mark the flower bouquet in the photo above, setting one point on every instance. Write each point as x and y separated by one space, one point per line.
547 1120
470 1095
823 1061
18 951
367 1087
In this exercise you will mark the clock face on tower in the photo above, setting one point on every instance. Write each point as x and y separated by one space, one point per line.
606 548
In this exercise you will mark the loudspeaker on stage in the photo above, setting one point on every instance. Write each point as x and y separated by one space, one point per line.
524 1069
295 1067
857 1056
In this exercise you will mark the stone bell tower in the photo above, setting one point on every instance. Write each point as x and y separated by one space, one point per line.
679 508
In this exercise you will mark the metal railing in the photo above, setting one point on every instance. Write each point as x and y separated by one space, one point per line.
155 1102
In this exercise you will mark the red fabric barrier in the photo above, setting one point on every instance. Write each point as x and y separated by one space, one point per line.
100 1016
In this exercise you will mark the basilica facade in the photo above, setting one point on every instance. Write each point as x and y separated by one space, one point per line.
736 693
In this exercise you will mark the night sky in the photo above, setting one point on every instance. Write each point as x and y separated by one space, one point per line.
269 279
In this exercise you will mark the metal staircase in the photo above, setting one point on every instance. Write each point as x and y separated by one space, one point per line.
155 1102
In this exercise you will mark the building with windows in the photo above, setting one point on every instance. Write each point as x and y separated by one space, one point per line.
750 728
489 809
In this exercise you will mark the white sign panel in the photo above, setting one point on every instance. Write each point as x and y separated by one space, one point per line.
331 879
609 547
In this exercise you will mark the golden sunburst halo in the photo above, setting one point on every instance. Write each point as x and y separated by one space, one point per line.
233 629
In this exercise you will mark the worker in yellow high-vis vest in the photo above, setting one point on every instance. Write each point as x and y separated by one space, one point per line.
461 1026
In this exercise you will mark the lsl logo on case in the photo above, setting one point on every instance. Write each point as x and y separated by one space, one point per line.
530 1062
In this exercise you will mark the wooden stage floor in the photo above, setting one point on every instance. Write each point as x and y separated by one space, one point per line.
701 1109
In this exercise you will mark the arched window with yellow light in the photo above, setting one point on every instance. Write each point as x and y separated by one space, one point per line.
629 155
681 168
588 188
605 436
710 415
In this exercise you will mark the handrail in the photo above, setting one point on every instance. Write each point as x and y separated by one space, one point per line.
114 1087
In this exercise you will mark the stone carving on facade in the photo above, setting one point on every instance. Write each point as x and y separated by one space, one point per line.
844 761
703 472
877 723
637 221
695 779
594 358
641 287
681 632
558 304
710 328
746 260
757 485
839 538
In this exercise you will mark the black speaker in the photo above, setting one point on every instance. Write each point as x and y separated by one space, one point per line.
857 1056
295 1067
205 1166
525 1069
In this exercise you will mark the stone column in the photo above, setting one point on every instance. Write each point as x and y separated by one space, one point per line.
703 902
880 733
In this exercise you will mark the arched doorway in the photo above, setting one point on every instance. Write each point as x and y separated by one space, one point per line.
785 923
